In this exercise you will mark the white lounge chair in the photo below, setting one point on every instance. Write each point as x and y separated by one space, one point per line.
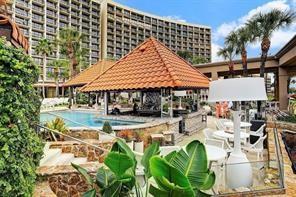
257 147
208 133
259 131
214 142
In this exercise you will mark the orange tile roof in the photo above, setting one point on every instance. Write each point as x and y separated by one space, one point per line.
150 65
90 73
18 38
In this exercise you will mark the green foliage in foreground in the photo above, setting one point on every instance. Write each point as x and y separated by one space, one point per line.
119 179
20 147
182 173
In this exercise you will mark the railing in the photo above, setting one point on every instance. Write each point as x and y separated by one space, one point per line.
41 129
268 175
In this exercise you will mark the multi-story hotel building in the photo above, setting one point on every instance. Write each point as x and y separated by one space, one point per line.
123 28
112 29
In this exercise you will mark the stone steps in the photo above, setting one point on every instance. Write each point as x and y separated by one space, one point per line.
50 155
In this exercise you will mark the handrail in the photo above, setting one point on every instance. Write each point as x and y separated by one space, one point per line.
279 157
73 138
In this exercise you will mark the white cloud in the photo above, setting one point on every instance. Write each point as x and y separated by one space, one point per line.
175 18
215 48
224 29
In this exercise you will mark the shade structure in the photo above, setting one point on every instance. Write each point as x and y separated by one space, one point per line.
151 65
237 89
90 73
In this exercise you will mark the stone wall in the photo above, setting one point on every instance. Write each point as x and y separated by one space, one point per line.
193 122
84 134
83 150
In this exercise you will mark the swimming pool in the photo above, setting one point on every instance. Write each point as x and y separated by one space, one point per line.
90 119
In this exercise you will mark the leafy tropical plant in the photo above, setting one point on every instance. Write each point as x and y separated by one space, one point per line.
60 71
119 179
44 48
57 124
107 127
228 53
151 151
263 25
182 173
20 147
70 42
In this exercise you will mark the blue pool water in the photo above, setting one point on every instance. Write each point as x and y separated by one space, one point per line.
91 119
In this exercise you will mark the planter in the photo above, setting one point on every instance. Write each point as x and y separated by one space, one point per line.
139 147
130 144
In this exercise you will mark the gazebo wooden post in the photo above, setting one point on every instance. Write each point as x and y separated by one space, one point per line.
141 99
89 99
161 103
171 103
105 103
70 96
197 99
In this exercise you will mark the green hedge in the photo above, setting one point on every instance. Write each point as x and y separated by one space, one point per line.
20 147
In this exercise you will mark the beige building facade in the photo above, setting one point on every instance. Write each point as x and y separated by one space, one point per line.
282 65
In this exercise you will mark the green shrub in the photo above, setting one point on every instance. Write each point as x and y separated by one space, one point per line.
20 147
289 118
57 124
107 127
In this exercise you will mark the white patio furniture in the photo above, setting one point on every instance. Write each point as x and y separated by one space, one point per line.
208 133
219 125
242 124
257 147
214 142
230 136
259 131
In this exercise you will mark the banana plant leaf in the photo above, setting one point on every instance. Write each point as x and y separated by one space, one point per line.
104 178
193 163
151 151
122 147
113 190
118 163
90 193
170 156
84 173
170 179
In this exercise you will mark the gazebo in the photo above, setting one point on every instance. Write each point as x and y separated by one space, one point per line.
150 67
88 75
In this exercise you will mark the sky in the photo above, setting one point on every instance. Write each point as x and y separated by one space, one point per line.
222 16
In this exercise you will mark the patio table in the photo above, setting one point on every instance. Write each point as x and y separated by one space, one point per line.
222 134
242 125
214 153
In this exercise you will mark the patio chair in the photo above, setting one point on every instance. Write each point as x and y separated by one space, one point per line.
219 125
208 133
214 142
257 147
227 147
259 131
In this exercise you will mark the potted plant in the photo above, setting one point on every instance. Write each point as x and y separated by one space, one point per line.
139 144
128 136
59 125
107 128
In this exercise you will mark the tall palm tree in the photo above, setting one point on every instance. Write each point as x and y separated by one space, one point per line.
44 48
239 39
70 42
228 53
60 71
263 25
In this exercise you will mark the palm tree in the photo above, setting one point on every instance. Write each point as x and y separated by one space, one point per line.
44 48
60 71
263 25
228 53
239 39
70 42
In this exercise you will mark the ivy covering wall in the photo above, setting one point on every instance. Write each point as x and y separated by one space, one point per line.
20 147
